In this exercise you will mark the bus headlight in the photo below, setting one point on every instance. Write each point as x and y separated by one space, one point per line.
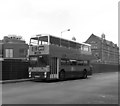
29 74
45 74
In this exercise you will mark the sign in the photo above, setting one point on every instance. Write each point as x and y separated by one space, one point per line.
40 48
37 52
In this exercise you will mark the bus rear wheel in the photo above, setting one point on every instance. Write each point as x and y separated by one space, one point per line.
62 75
84 74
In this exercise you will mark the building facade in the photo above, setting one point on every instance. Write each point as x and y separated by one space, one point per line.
13 58
105 51
14 47
119 57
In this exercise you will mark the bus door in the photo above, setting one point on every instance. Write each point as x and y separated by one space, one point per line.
54 67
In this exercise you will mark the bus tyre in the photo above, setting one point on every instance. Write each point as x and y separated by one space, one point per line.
62 75
84 74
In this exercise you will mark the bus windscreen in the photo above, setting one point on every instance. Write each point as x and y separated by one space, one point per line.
39 61
39 40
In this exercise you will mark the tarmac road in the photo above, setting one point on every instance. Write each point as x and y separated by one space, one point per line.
97 89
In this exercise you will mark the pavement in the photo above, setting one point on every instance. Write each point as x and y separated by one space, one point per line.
15 80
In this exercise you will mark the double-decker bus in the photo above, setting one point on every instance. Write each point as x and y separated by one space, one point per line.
52 57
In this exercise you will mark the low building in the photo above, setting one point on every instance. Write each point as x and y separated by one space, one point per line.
119 57
14 48
105 51
13 58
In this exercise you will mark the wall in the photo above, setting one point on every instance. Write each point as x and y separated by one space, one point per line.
16 49
100 68
0 70
14 69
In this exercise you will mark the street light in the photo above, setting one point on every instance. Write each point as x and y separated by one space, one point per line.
61 34
64 31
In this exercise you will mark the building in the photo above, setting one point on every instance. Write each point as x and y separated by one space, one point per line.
13 58
14 47
105 51
119 57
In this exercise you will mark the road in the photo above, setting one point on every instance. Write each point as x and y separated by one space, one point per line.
100 88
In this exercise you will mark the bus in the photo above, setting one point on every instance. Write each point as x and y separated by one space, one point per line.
51 57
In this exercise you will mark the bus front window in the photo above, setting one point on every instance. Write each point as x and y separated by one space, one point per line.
39 61
33 61
39 40
43 61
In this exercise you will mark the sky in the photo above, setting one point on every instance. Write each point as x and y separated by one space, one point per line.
83 17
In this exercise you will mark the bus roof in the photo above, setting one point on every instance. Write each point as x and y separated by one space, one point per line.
71 40
43 37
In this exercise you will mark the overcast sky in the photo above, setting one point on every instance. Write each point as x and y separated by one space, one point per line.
84 17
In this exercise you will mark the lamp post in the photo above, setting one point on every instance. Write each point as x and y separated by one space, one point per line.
64 31
61 34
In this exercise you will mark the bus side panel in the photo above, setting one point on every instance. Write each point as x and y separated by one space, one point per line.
72 71
75 71
63 52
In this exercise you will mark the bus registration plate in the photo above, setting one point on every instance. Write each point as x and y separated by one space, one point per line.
37 76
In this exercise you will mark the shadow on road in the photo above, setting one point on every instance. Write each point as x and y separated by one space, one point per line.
56 80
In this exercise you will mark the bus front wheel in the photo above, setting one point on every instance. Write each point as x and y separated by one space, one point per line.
62 75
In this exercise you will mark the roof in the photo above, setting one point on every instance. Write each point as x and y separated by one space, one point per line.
101 39
92 35
10 39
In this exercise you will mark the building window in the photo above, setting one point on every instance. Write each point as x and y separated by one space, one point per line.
84 48
9 53
95 47
22 52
